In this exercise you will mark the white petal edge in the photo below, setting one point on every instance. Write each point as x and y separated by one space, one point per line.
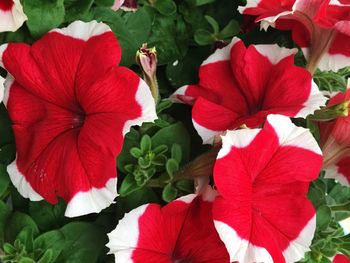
13 19
239 249
291 135
2 90
237 138
123 239
333 62
222 54
92 201
2 50
331 172
145 100
180 91
250 4
314 102
206 134
20 182
266 22
299 246
274 52
345 224
7 87
82 30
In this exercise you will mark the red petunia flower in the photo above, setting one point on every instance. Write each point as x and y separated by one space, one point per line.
71 105
320 27
240 85
262 176
182 231
335 142
12 16
341 259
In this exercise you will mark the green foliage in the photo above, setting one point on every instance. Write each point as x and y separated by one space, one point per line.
332 81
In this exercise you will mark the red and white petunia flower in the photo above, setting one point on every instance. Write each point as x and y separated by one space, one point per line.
340 258
345 225
12 16
182 231
240 85
262 213
335 142
126 5
320 27
71 105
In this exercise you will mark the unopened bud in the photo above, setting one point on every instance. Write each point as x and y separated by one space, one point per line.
147 60
126 5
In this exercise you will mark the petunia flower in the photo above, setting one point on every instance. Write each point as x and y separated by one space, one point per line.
335 142
240 85
12 16
71 105
182 231
345 224
320 27
262 176
126 5
340 258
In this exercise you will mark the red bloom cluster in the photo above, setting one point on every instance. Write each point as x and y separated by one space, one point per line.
320 27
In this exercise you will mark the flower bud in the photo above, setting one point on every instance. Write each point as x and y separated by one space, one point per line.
147 59
126 5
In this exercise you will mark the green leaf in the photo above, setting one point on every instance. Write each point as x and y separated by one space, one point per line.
185 185
172 166
128 185
146 143
323 217
4 180
47 216
47 257
26 260
83 243
213 23
16 222
77 9
53 240
107 3
175 133
169 193
132 30
203 2
136 152
7 153
26 238
43 15
5 213
230 30
9 249
165 7
176 153
163 105
131 139
203 37
160 149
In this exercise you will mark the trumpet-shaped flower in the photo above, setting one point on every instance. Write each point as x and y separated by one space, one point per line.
12 16
262 176
240 85
71 105
182 231
320 27
335 142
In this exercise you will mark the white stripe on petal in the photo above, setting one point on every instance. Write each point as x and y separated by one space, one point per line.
250 4
237 138
12 19
331 172
314 102
240 249
299 246
223 54
274 52
289 134
206 134
92 201
20 182
82 30
146 101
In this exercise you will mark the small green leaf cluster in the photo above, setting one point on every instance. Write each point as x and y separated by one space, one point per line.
332 81
332 204
156 159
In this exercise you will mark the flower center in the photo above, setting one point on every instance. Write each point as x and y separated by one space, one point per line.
79 116
6 5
